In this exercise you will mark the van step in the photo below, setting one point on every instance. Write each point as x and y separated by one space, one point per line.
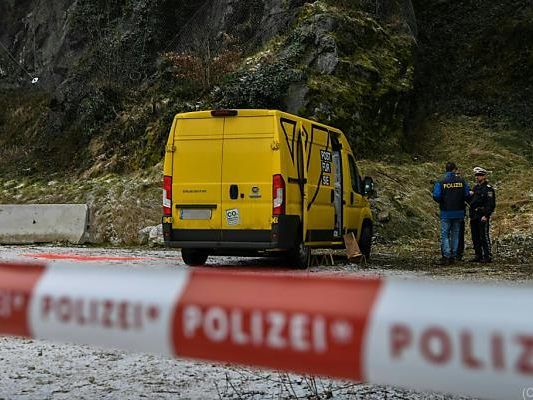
322 259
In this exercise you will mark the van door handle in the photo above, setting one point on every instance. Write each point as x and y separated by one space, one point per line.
234 192
332 195
351 198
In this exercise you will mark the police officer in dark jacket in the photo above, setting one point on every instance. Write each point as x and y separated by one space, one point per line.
482 205
451 193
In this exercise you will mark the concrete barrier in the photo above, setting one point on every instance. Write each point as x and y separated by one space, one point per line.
43 223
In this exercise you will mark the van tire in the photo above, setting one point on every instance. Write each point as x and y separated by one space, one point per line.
300 256
365 243
194 257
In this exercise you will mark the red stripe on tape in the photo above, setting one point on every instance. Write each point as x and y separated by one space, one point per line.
280 322
79 257
17 282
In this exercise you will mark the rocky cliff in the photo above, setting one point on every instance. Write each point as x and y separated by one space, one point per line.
113 73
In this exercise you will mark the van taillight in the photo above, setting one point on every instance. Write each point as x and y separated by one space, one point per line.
278 195
167 195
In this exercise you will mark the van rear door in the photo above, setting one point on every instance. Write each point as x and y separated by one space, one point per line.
197 170
247 166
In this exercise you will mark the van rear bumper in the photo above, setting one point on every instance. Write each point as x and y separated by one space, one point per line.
283 235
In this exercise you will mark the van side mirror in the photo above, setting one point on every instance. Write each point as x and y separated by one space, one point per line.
368 186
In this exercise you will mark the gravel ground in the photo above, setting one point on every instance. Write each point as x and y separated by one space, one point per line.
34 369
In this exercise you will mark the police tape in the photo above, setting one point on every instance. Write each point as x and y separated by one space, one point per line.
456 338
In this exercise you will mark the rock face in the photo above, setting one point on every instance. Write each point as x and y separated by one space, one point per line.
48 38
476 59
254 22
339 66
112 74
40 36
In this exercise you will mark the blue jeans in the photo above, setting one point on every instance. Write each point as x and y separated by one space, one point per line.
450 230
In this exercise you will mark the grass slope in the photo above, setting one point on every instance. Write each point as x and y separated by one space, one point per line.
405 187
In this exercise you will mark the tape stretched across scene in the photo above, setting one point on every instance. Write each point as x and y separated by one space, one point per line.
450 337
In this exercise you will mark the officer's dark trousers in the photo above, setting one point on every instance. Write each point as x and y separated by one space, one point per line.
461 248
481 238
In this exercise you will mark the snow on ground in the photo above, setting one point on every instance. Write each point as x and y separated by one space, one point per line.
38 370
33 369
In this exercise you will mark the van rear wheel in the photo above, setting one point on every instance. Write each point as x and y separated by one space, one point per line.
194 257
300 256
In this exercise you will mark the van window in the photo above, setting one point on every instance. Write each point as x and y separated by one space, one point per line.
354 174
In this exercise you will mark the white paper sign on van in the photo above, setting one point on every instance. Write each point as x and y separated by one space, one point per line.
233 217
325 160
325 155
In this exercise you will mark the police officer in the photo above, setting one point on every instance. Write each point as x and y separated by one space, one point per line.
451 193
482 205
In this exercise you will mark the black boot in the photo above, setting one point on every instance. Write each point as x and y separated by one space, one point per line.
444 261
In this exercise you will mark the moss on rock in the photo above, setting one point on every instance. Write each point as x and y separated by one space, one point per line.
352 72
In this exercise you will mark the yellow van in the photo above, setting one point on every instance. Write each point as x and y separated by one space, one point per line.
260 182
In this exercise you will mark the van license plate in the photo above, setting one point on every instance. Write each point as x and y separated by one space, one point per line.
195 214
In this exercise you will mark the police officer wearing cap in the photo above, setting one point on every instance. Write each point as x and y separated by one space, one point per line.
482 205
451 193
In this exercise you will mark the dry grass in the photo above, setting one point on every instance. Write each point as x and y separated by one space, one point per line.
404 189
120 205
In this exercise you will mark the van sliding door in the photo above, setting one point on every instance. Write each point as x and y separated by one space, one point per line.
321 186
